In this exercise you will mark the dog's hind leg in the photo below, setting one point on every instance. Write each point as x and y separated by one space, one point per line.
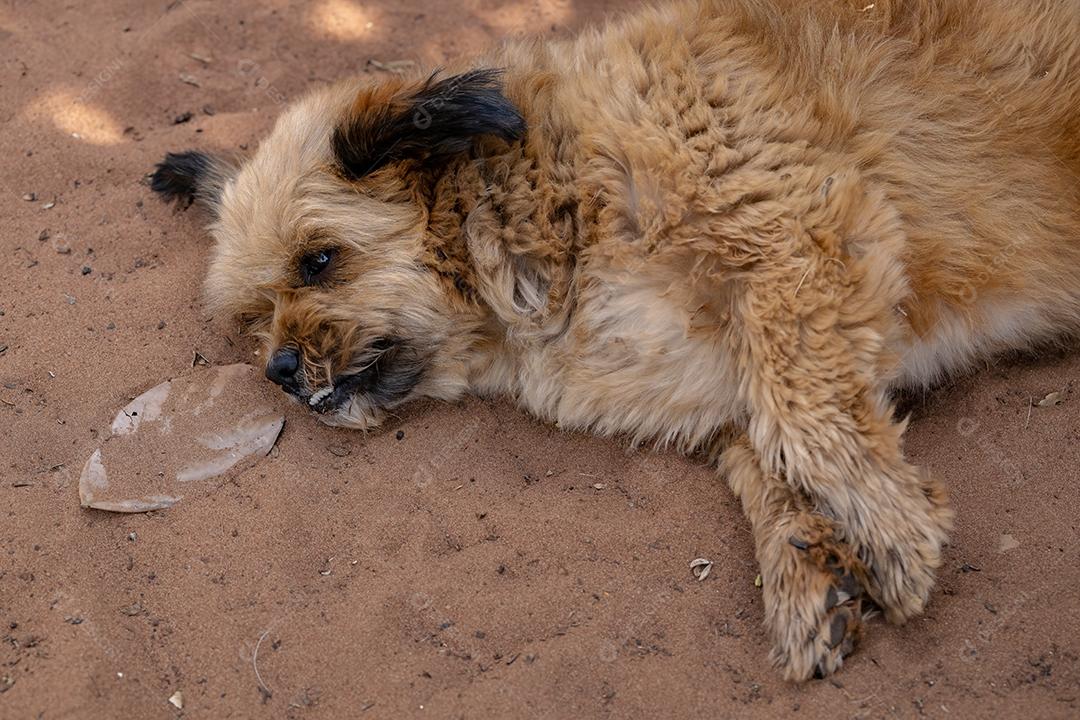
812 582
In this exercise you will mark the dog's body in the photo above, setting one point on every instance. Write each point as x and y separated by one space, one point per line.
731 227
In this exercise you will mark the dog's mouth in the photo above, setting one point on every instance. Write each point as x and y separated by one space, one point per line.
383 375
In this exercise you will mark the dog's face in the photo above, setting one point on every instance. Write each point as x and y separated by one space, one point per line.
325 245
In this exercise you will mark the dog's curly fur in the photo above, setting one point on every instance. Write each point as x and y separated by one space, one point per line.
731 226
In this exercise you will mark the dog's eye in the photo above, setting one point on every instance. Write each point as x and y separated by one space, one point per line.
314 264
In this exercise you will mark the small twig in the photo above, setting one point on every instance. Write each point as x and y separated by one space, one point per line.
255 662
1031 404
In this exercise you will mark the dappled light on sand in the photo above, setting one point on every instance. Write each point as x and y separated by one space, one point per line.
80 120
341 19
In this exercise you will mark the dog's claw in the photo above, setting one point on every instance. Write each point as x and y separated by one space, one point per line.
832 598
837 628
823 621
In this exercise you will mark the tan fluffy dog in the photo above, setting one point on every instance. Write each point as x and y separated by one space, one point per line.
731 226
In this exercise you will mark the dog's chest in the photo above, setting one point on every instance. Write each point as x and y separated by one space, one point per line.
642 358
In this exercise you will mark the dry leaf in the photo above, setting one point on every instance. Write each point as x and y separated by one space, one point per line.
1051 400
166 442
701 567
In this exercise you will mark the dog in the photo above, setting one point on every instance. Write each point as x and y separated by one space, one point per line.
731 227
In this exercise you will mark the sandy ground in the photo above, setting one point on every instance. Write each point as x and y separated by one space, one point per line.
471 568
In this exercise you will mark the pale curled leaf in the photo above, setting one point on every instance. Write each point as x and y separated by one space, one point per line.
701 567
1051 400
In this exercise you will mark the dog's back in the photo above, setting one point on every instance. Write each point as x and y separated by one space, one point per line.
963 116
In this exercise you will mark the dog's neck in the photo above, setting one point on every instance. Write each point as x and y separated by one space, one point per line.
505 235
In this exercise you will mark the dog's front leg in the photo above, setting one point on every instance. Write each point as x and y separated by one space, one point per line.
812 582
813 364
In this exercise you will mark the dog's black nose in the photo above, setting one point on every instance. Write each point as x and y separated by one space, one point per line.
283 366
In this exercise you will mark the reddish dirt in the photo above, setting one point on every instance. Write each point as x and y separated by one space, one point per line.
469 568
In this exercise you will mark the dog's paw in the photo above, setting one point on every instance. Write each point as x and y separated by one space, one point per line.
902 553
814 596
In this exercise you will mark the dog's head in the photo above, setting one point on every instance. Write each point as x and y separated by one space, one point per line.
329 244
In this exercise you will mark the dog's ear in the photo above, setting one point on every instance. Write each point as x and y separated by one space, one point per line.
429 121
192 176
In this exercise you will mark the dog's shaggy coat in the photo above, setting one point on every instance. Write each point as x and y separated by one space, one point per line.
730 226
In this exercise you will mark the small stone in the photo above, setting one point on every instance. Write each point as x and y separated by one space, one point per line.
131 536
177 700
133 609
161 325
339 451
86 270
400 435
183 118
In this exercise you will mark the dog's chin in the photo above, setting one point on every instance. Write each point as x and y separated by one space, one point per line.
355 413
359 400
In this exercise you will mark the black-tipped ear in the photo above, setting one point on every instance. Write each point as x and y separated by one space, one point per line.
441 117
191 176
